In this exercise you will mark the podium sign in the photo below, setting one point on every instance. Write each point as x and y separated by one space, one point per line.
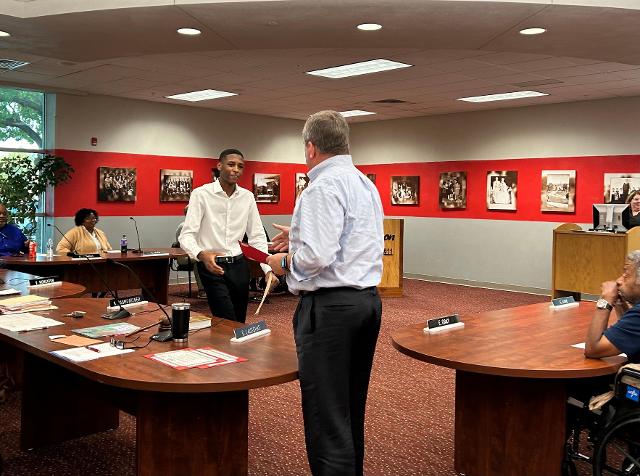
391 282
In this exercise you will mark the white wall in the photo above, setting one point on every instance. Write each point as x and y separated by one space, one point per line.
605 127
143 127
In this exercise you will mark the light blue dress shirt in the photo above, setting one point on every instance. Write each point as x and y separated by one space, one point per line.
336 234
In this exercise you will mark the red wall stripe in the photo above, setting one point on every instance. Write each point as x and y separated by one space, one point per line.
82 191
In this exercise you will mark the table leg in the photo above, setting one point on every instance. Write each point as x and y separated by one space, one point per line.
59 405
508 425
192 433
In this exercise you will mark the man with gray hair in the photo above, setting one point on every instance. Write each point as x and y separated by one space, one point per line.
334 263
623 295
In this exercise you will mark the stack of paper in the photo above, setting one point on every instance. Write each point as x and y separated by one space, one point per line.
190 358
8 292
92 352
26 322
30 302
117 328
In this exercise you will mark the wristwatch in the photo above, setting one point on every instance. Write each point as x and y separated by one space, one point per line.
603 304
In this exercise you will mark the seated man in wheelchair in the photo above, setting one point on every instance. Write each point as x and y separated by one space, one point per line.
612 419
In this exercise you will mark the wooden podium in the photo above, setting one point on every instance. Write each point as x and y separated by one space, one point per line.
582 260
391 283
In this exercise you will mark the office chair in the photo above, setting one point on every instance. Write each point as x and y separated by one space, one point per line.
183 263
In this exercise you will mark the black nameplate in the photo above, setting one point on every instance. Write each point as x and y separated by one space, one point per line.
250 329
39 281
124 301
561 301
442 321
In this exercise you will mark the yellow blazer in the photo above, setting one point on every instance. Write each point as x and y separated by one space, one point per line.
81 240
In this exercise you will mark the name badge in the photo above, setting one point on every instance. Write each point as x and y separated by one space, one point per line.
443 323
43 281
91 255
561 301
246 331
124 301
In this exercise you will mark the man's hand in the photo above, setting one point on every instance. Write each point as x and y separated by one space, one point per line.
209 260
274 262
281 240
609 291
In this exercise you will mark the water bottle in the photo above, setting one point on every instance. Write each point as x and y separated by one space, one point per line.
123 244
49 248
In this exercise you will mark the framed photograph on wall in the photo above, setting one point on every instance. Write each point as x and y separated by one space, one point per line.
502 190
302 182
617 187
558 191
266 188
175 185
371 177
453 190
405 190
117 184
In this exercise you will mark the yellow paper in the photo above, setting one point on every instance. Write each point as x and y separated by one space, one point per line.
77 341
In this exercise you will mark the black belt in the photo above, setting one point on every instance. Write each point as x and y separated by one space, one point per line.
229 259
336 289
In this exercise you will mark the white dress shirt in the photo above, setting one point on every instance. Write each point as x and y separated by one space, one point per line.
336 235
216 222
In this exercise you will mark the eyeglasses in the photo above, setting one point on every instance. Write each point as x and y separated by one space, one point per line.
120 344
91 218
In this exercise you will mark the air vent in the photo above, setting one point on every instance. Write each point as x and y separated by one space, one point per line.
8 64
537 82
389 101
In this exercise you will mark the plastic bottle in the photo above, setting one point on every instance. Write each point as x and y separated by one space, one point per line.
49 248
123 244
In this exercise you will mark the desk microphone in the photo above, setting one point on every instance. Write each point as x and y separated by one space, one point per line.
139 250
162 336
120 313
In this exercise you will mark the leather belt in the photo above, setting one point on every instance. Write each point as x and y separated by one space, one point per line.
229 259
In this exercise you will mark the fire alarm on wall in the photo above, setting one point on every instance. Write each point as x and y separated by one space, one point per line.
94 141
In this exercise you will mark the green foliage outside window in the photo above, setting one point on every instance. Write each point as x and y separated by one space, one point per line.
22 116
23 180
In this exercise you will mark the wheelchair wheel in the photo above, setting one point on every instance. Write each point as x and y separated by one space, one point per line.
618 452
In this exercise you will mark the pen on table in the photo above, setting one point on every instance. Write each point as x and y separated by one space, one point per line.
34 329
93 349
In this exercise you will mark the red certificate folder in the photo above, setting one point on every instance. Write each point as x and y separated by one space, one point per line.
253 253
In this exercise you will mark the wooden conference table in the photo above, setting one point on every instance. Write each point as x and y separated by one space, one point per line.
191 421
153 270
20 282
513 369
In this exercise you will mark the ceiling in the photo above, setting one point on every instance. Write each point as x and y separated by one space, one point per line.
262 49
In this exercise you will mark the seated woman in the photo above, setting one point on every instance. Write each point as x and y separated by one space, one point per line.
84 237
634 213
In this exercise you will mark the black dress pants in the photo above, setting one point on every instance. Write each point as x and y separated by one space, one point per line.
336 330
227 294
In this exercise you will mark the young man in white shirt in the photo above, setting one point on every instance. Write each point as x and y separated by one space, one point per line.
219 215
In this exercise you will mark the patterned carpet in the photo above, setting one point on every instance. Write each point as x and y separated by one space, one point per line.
409 414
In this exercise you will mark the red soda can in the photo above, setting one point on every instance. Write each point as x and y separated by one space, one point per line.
32 249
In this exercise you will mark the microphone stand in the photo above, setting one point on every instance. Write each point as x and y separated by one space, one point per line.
139 250
161 336
120 313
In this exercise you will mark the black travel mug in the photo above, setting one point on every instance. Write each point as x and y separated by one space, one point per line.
180 321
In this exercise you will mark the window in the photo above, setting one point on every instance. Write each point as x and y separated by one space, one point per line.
22 133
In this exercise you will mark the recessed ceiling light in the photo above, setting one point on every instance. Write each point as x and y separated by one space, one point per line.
4 33
503 96
369 26
203 95
188 31
532 31
356 69
356 112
